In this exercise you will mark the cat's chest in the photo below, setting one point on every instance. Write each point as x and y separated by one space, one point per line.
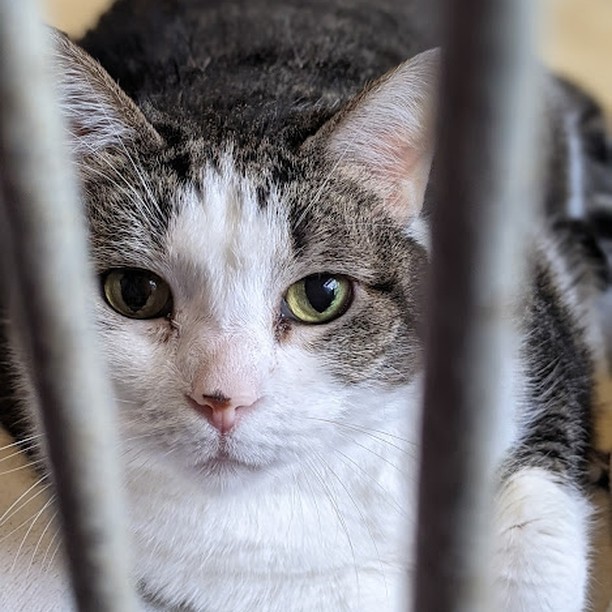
332 540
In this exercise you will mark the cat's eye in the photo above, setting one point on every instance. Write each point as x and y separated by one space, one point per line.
136 293
318 298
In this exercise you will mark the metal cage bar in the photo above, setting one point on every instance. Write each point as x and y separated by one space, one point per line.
486 177
45 255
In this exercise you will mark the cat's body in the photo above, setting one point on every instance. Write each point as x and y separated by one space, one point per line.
255 163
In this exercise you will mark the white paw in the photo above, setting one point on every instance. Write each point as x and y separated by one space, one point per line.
541 558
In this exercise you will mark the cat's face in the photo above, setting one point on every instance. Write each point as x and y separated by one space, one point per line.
254 316
302 366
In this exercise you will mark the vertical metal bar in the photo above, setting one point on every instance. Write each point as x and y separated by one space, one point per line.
44 242
486 197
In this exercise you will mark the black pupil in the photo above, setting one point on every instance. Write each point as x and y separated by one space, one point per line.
136 290
321 291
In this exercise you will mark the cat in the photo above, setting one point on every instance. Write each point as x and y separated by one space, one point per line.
255 179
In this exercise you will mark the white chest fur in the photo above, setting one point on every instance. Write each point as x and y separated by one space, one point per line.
334 538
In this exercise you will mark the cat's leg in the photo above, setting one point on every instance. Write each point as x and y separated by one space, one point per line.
541 557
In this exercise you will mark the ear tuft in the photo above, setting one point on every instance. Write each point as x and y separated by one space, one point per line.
385 137
99 114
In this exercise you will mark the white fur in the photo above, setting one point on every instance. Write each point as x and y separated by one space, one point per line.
542 545
418 230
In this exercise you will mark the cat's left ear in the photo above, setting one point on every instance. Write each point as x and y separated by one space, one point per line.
99 115
385 137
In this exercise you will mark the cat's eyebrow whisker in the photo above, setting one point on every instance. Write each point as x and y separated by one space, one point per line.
130 158
128 190
147 187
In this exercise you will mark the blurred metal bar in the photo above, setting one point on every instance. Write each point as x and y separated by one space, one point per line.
44 243
487 193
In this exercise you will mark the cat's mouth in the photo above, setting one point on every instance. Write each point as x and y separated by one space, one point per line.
228 461
223 463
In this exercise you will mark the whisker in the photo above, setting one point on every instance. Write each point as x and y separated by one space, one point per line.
368 431
51 542
57 548
22 467
338 513
25 537
387 497
12 510
152 206
325 465
50 522
381 457
20 442
10 533
124 401
21 451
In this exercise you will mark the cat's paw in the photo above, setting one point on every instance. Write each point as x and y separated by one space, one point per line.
541 557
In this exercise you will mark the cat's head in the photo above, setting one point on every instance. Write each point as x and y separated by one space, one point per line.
256 311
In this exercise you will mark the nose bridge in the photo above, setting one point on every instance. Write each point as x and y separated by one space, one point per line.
232 365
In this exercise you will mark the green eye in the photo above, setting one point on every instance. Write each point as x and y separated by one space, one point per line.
138 294
318 298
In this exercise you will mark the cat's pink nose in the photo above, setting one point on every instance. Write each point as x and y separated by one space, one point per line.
222 412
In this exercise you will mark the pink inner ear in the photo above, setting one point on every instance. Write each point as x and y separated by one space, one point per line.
397 171
400 160
385 140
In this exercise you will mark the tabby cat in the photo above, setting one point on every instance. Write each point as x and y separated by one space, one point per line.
255 179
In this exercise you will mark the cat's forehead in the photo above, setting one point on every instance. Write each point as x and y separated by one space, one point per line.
222 241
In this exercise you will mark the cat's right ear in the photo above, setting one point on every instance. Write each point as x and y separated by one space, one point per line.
98 113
